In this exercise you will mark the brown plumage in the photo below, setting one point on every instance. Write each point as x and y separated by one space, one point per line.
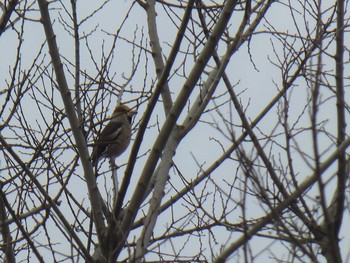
115 137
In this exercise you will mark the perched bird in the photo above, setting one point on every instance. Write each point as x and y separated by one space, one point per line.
115 137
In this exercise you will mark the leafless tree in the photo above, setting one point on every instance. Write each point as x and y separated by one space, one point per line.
239 149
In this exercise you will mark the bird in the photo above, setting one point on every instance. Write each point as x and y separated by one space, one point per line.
115 136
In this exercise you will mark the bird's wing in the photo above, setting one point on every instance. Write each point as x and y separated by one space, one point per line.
110 133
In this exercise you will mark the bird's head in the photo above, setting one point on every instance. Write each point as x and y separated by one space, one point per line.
122 109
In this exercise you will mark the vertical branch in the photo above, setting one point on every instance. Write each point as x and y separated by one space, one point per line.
335 210
315 106
5 231
339 78
120 95
77 91
316 82
157 53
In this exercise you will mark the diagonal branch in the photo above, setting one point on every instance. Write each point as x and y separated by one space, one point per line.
150 107
7 12
170 122
46 196
275 213
73 120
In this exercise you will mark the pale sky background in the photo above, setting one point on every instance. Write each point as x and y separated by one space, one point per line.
258 87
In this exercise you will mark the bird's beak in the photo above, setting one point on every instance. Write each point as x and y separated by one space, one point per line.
131 113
